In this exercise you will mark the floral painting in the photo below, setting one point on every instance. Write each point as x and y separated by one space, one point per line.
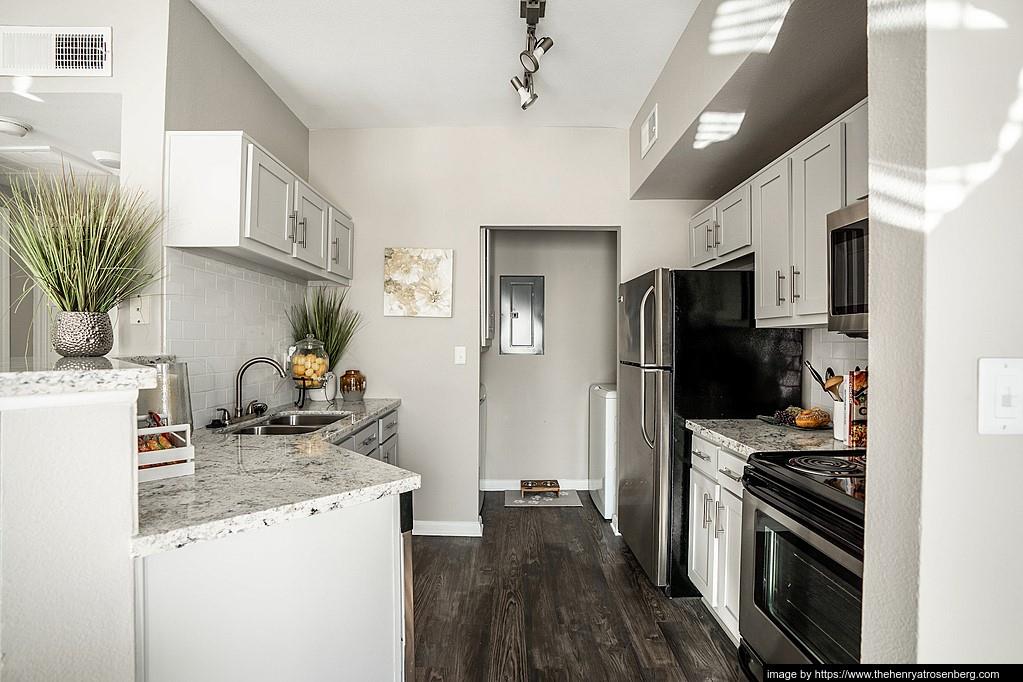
417 282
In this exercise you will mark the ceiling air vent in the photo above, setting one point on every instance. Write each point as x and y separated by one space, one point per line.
54 51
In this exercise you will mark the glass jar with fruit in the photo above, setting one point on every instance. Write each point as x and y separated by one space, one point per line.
309 362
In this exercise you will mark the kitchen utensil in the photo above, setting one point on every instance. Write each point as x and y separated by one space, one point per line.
832 386
828 373
815 374
171 398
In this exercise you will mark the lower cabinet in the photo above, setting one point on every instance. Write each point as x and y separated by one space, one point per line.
378 439
715 538
389 450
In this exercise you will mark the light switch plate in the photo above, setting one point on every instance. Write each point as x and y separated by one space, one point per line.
459 355
1000 396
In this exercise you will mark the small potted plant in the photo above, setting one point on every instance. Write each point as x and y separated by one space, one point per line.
325 316
86 243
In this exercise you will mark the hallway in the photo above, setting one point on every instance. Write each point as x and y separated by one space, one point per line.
552 594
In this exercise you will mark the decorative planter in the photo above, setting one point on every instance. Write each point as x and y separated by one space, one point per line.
353 386
78 334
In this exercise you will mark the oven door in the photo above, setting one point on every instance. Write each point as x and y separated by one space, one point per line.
848 235
801 595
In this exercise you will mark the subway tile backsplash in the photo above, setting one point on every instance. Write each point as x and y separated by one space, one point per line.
218 316
829 349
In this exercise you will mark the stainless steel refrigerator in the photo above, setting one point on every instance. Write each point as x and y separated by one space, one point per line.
687 349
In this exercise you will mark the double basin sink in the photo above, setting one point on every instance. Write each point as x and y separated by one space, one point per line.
292 424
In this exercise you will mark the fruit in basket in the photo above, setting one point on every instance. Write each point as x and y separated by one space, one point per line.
164 441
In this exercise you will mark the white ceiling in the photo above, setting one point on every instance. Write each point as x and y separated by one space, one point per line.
413 63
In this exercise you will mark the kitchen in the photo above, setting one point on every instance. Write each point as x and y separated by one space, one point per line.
723 145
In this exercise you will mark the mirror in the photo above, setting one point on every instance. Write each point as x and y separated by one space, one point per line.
77 131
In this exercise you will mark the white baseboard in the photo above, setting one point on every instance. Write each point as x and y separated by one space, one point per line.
462 529
498 484
614 525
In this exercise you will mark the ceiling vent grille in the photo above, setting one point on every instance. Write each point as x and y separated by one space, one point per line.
54 51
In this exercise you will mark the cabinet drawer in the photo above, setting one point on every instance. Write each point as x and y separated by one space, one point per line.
366 439
705 456
388 425
729 472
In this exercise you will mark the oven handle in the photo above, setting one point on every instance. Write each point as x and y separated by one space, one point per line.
809 529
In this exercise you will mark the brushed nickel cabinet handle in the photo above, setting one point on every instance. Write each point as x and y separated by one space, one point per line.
710 236
705 458
717 521
794 273
292 229
305 232
706 515
778 278
336 246
730 474
717 233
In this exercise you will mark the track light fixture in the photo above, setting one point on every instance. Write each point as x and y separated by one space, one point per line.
532 11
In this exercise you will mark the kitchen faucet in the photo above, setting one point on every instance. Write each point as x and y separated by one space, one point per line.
238 410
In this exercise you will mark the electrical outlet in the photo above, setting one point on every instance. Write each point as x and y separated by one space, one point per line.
140 309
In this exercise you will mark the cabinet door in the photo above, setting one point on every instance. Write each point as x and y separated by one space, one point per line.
728 529
856 154
732 227
389 451
311 237
772 222
816 192
270 201
701 237
340 244
701 536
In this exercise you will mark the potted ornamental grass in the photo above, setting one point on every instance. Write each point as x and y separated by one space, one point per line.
326 317
86 243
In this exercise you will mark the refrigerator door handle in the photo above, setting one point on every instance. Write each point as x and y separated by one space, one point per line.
642 329
642 408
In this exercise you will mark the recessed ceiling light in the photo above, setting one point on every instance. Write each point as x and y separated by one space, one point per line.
111 160
10 126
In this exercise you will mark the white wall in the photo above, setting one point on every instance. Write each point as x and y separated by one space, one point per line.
219 316
435 187
210 87
537 405
941 577
829 349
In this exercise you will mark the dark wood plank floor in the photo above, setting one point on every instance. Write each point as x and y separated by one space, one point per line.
552 594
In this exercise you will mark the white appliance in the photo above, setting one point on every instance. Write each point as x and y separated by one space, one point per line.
604 448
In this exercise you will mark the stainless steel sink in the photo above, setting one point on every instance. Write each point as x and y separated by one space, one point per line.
308 419
275 430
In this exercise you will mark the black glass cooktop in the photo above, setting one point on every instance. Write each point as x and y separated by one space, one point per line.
836 478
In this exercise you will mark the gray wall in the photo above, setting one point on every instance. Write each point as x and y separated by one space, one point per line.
537 404
435 187
210 87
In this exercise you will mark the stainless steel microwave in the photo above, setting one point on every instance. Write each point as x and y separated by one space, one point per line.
848 232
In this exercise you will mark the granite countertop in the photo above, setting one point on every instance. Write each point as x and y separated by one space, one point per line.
746 436
244 482
73 375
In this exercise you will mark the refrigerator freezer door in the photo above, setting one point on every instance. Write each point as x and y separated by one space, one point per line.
644 401
644 320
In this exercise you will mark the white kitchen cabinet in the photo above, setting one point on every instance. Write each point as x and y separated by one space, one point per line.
772 228
340 243
816 192
269 192
389 451
854 127
701 532
728 532
229 199
701 236
311 229
732 224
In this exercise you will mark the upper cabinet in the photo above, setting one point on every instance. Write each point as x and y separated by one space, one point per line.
721 232
854 128
781 217
227 195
